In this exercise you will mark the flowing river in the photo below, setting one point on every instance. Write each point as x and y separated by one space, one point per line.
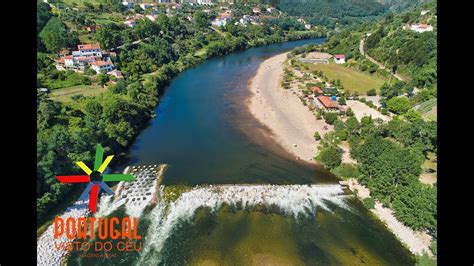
205 134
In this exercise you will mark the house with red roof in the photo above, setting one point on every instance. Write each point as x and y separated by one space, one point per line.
92 49
327 104
339 59
317 91
101 65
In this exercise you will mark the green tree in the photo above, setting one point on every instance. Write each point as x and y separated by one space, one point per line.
330 117
109 35
330 157
371 92
349 112
317 136
398 105
412 115
200 19
55 36
352 125
341 101
103 79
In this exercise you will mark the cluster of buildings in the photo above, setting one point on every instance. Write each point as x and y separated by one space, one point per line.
323 58
131 21
88 55
419 27
226 16
223 18
323 102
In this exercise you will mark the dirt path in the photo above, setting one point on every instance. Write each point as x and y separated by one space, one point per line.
381 66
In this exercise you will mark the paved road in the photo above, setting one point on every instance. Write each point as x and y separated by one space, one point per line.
361 50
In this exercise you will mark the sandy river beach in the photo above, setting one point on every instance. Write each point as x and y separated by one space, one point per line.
292 124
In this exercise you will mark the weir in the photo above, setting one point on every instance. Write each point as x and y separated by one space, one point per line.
291 200
146 191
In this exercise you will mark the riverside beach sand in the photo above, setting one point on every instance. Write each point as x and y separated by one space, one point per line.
292 124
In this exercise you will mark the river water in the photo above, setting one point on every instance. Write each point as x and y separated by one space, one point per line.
205 134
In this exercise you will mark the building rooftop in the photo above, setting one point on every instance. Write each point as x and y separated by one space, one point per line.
326 101
88 46
316 89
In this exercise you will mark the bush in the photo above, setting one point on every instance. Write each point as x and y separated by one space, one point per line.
346 171
317 136
425 260
330 157
371 92
369 203
342 101
341 134
349 112
318 115
398 105
330 117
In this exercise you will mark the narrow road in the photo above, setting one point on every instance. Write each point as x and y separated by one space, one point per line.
381 66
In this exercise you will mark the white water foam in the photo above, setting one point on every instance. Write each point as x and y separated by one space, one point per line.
291 199
46 253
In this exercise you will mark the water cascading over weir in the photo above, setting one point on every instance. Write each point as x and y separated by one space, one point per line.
147 191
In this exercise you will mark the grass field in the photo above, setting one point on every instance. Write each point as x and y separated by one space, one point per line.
65 94
352 80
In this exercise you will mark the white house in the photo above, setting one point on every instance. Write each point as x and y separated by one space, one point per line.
339 59
270 9
127 4
222 19
152 17
130 23
92 49
145 5
101 65
68 61
220 22
307 26
424 12
116 74
421 27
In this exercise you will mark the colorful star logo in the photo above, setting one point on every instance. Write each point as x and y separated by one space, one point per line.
95 178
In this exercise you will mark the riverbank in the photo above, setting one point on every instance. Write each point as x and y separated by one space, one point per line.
291 123
417 242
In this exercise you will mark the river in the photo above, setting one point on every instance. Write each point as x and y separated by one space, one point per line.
205 134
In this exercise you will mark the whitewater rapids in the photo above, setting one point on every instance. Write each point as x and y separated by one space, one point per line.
292 200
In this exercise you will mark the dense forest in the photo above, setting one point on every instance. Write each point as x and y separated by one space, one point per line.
330 13
390 155
68 132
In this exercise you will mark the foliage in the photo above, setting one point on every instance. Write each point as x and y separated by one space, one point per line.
425 260
369 203
55 35
346 171
330 157
398 105
330 117
109 36
328 13
371 92
317 136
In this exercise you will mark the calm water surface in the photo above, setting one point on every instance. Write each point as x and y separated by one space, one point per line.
205 135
